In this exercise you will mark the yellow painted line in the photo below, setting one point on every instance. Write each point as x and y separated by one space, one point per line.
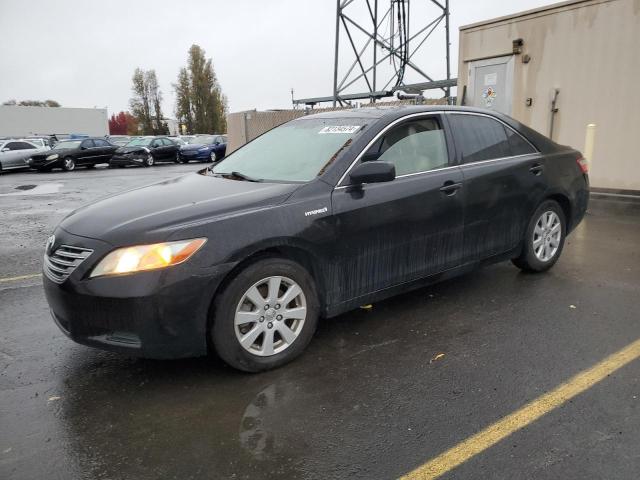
481 441
20 277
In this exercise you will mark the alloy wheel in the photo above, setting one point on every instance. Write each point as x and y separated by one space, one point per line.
546 236
270 316
213 156
69 164
149 160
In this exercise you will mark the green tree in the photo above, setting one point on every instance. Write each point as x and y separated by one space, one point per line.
146 103
182 87
200 104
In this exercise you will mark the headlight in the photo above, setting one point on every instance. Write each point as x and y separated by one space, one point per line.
147 257
52 157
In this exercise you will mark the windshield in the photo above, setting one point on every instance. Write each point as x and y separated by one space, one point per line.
67 144
140 142
204 140
296 151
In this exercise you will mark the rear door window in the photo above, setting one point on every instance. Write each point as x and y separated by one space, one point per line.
479 138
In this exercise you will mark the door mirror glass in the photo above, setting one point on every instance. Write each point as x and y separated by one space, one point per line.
373 172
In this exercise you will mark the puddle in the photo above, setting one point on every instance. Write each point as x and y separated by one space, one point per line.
42 189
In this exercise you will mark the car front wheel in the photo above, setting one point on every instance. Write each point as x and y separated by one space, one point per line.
213 157
544 238
266 316
69 164
148 161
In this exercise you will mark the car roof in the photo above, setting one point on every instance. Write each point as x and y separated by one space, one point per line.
393 110
390 113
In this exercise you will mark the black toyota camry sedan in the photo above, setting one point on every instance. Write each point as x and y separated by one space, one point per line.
311 219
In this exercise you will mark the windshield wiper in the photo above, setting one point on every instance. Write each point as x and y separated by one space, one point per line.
239 175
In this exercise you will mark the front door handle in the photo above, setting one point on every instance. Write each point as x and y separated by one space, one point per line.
536 169
450 188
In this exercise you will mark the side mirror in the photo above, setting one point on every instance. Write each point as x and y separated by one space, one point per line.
373 172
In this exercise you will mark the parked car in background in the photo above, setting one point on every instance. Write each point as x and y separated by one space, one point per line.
145 151
178 141
69 154
40 142
311 219
15 153
119 140
204 148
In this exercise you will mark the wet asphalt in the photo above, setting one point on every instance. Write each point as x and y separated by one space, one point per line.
377 393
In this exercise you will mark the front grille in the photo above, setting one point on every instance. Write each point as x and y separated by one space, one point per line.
63 261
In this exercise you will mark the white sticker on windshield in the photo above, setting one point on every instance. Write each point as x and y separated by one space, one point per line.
340 129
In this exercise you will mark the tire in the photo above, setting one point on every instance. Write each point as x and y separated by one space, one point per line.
213 157
148 162
177 159
68 164
541 245
257 356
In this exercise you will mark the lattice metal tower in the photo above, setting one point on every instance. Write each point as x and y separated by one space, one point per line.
381 38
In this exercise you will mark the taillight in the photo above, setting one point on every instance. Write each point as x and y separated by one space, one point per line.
583 164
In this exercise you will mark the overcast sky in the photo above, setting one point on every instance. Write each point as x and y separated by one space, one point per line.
83 53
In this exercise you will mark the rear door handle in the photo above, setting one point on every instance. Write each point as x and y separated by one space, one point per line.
450 188
536 169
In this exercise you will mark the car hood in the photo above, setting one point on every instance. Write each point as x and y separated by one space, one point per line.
152 213
61 153
132 149
195 146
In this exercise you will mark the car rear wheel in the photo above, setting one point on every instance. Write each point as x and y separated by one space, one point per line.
266 315
69 164
544 238
148 161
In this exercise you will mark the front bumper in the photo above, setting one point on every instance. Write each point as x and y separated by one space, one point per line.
40 163
127 160
194 155
155 314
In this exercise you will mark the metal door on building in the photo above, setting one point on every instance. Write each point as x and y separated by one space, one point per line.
491 84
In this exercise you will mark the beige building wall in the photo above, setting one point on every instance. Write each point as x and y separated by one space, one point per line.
24 121
590 51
